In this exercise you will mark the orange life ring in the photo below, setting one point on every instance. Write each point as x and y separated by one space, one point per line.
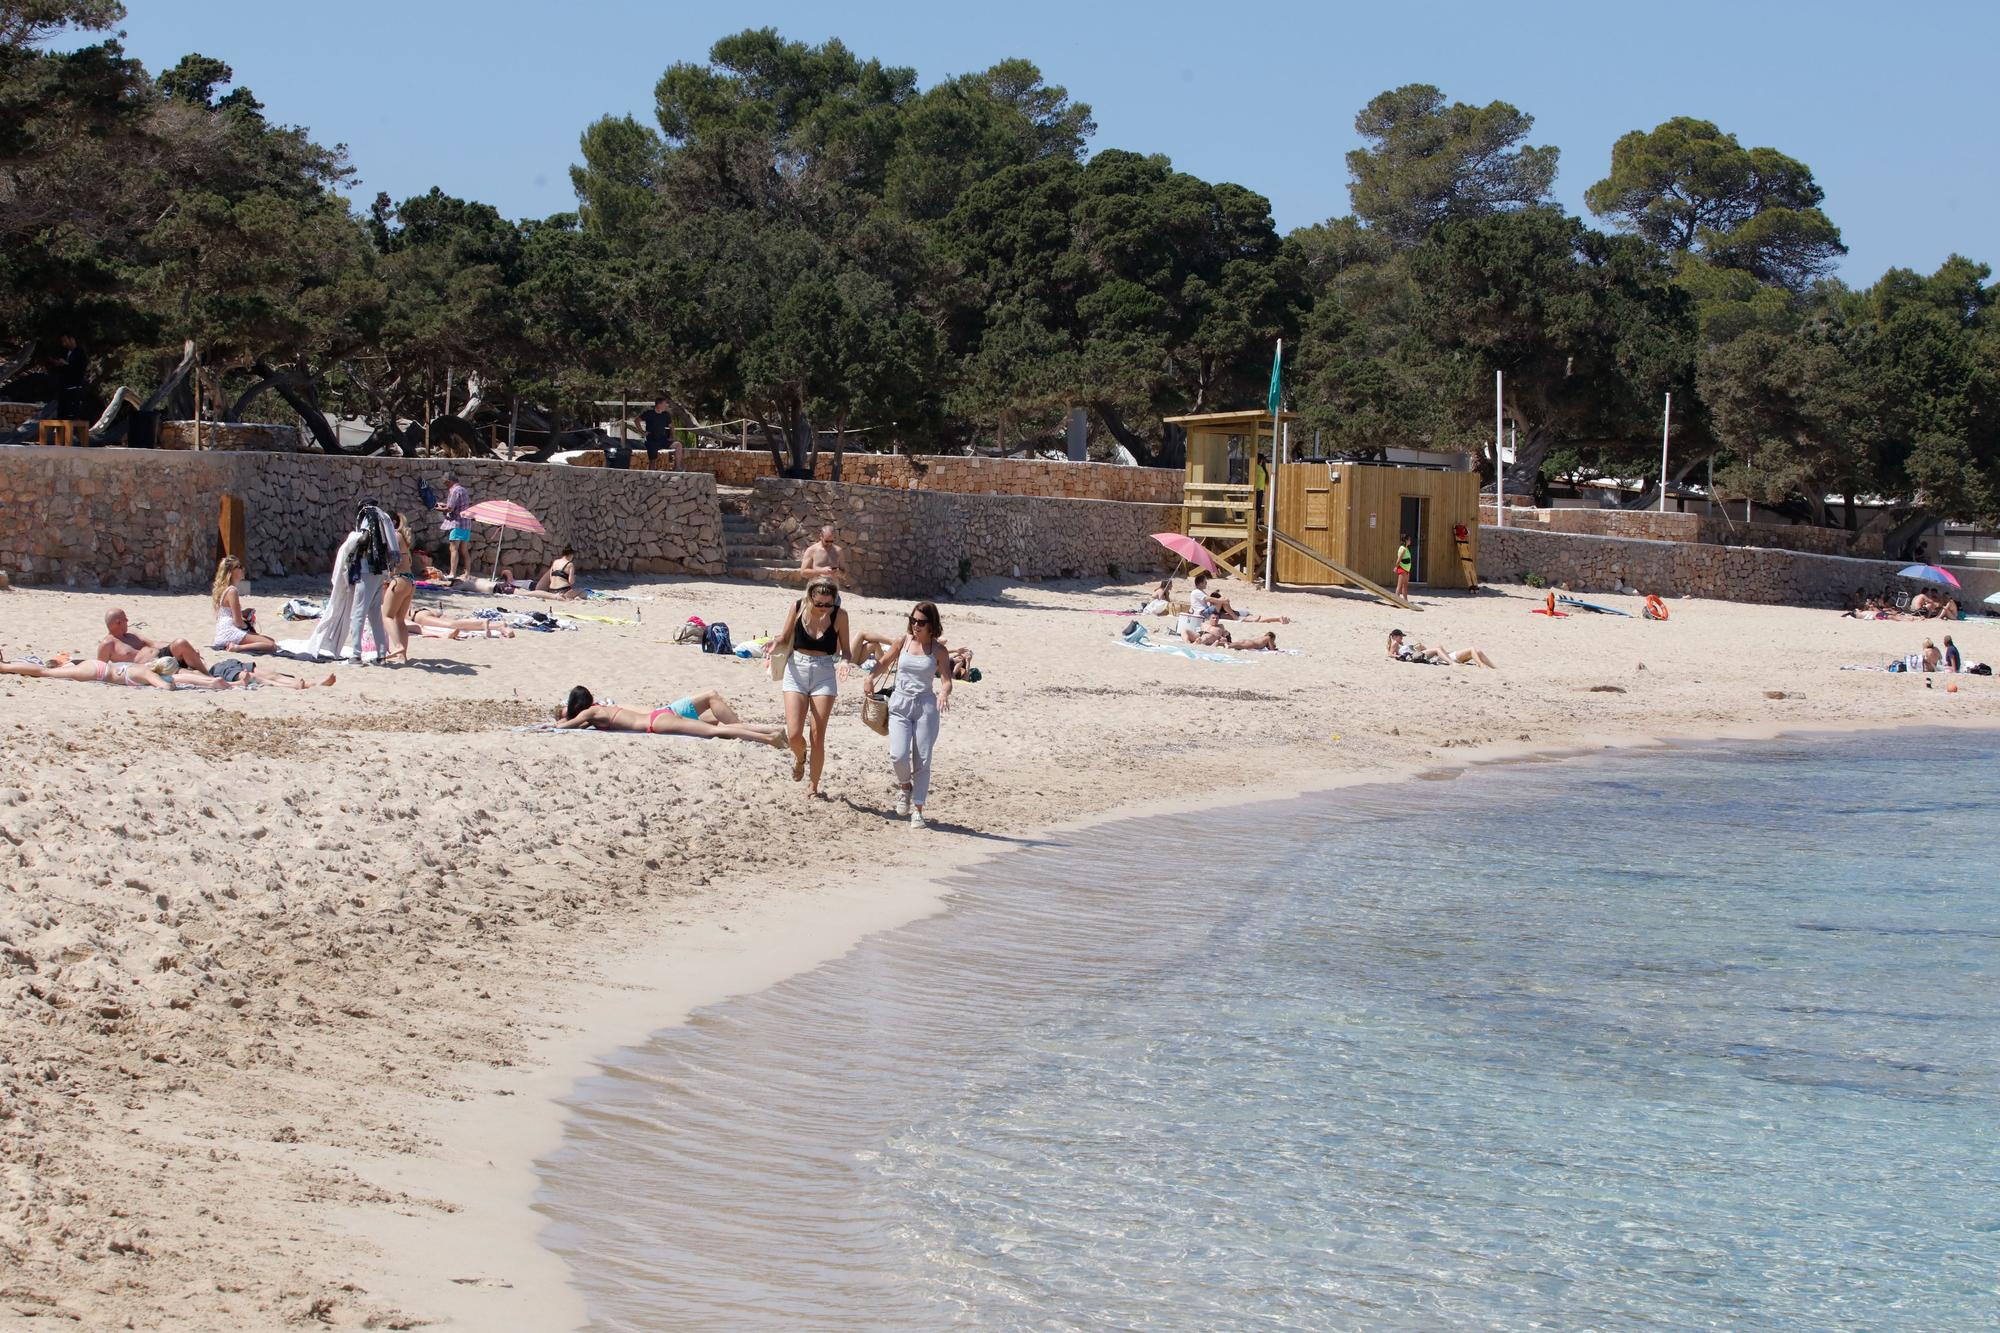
1655 608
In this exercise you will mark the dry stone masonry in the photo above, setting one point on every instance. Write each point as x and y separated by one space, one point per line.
148 518
1693 569
904 543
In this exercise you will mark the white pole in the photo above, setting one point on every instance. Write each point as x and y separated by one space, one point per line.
1271 506
1666 420
1499 458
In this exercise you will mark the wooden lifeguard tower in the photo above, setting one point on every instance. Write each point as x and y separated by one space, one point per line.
1335 524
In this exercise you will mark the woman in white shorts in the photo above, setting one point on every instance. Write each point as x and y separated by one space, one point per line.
817 632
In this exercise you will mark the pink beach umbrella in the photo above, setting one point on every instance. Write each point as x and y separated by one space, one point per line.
503 514
1187 548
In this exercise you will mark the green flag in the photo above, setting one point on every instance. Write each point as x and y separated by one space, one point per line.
1276 358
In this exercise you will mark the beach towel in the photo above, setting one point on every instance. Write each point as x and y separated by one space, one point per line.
1135 637
551 729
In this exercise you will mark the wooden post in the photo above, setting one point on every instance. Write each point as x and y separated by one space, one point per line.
196 374
513 427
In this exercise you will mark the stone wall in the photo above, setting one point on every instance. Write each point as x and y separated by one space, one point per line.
919 543
87 517
1695 569
232 437
965 476
12 415
1652 525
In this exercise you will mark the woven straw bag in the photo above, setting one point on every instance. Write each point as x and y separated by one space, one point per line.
875 712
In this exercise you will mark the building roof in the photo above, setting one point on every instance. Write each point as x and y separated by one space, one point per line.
1224 421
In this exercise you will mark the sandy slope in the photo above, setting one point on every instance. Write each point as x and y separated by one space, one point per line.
277 967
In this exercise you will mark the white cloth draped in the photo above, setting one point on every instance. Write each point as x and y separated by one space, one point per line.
329 637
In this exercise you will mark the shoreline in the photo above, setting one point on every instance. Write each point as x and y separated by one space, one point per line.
779 941
300 980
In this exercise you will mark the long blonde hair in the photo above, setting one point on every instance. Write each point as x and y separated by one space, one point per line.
221 584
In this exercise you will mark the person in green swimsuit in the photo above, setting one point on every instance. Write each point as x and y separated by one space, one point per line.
1404 561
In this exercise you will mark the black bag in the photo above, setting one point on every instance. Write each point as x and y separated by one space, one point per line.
715 639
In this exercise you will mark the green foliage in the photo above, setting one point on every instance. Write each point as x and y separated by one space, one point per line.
1429 163
806 237
1686 186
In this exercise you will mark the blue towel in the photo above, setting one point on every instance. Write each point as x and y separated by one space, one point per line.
1135 637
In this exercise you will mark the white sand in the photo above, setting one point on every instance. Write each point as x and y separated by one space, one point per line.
294 980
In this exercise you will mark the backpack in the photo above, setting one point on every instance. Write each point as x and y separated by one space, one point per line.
715 639
693 631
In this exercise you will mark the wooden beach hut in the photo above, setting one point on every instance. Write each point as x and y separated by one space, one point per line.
1335 523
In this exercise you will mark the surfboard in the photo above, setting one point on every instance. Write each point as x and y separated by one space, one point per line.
1593 606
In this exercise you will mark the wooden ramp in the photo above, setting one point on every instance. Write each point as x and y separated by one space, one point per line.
1279 536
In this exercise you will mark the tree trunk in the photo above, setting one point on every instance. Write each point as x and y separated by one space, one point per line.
839 446
1531 449
1172 450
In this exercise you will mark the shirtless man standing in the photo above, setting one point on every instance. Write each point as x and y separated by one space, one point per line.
122 645
823 557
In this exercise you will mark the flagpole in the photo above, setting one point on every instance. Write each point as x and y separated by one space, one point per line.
1499 457
1271 477
1666 419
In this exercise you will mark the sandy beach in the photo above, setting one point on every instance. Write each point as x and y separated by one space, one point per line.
295 980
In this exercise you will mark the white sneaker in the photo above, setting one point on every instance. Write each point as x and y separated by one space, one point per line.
902 804
917 820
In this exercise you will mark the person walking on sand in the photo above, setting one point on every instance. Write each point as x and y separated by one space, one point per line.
368 568
235 630
919 660
824 557
815 638
398 594
1405 561
457 527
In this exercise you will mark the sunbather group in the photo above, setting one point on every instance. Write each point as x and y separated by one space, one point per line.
1203 623
1919 606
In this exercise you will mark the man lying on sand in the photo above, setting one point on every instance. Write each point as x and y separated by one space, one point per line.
1215 636
682 717
122 645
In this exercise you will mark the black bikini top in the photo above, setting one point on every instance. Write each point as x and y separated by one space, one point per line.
828 642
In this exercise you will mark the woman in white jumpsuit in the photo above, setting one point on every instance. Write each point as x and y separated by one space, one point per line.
919 661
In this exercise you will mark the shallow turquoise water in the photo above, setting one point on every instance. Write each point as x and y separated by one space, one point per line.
1700 1038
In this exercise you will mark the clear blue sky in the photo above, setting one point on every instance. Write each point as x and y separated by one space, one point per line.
1892 106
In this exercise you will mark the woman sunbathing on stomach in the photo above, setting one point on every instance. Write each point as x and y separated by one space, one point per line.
437 625
679 718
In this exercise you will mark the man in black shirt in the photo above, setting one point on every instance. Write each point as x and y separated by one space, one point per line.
659 427
70 366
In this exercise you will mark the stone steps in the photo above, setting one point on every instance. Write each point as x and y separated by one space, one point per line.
760 571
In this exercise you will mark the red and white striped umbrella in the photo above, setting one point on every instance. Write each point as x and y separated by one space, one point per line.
503 514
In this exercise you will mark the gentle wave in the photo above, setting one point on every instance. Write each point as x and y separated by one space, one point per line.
1669 1039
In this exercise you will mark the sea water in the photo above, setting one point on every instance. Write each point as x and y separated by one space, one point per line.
1670 1039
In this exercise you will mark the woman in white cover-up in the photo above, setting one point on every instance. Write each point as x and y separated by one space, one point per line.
354 598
